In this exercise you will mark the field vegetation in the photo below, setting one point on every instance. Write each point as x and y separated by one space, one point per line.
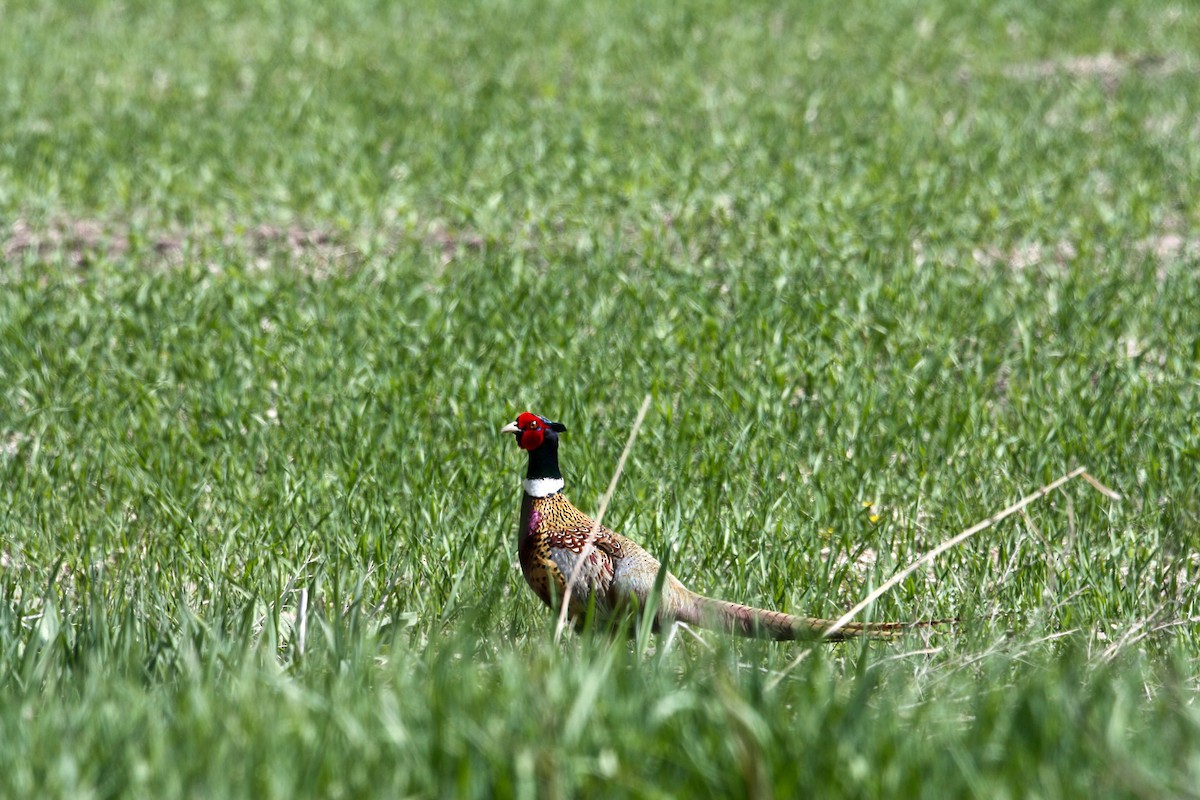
272 276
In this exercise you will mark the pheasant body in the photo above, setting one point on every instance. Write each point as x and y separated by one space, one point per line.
617 574
553 539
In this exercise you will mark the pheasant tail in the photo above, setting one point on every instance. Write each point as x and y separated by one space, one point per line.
736 618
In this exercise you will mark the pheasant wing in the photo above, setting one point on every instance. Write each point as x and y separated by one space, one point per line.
596 566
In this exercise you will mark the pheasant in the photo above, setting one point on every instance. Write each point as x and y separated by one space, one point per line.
618 574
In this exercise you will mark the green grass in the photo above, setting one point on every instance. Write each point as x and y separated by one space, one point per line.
274 277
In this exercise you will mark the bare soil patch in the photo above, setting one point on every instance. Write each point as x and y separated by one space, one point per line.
1109 68
82 242
315 249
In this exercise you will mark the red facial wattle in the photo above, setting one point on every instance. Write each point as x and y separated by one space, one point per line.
531 438
533 431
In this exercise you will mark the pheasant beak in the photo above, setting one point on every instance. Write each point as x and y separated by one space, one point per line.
510 428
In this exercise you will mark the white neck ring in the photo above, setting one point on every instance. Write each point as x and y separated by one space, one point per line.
543 487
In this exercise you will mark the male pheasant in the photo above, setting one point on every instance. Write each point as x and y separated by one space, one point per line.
618 574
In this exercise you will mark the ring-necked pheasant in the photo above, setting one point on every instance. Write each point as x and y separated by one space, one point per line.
619 574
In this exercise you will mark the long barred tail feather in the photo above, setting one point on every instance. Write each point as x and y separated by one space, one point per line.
759 623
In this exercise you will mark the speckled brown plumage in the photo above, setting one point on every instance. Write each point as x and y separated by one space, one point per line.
618 574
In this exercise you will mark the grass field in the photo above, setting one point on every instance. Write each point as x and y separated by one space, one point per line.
273 277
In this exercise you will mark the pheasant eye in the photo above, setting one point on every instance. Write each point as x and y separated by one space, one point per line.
528 421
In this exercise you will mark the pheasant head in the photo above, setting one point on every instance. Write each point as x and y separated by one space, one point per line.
538 437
